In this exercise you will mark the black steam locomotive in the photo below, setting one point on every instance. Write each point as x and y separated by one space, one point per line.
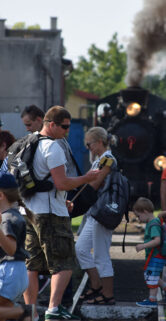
137 121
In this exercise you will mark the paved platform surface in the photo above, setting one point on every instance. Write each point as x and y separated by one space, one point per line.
129 286
130 240
122 310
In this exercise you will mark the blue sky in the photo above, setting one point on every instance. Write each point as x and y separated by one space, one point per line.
82 22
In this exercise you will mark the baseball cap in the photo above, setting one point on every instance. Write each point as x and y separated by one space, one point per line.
7 180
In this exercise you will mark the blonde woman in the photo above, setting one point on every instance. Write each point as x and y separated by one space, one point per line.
95 236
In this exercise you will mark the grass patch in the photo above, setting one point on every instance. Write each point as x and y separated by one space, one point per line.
157 212
76 223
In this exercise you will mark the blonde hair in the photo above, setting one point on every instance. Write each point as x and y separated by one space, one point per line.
143 204
13 195
98 133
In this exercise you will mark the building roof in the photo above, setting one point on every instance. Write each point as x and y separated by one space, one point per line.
86 95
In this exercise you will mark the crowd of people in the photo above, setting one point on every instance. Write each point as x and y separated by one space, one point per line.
49 243
36 238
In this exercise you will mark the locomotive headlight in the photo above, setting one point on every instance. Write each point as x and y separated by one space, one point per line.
133 109
104 110
160 162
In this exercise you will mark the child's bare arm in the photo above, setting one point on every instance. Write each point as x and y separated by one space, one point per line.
139 247
8 243
153 243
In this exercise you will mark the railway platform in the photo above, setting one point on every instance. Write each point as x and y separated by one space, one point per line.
129 287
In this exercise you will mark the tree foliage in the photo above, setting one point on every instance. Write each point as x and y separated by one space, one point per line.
22 26
102 73
156 85
19 25
34 27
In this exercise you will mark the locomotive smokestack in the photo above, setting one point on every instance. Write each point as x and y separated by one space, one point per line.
149 38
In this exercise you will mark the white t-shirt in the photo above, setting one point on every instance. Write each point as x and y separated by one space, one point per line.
48 155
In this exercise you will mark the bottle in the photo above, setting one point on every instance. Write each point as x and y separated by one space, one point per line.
25 174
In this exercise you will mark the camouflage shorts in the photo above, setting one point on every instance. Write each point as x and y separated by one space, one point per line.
50 244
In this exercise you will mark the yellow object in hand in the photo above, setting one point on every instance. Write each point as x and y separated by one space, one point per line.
105 161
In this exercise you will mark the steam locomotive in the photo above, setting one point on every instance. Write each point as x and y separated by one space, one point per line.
137 121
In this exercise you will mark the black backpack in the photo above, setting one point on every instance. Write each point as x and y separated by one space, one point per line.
113 201
20 164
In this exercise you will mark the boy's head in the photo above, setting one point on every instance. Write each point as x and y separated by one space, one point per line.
8 188
7 181
142 208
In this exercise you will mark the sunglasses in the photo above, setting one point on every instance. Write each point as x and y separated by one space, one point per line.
61 125
64 126
88 145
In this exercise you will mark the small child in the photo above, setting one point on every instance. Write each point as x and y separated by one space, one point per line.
143 209
13 272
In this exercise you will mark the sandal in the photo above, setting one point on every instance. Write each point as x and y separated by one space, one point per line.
91 295
103 301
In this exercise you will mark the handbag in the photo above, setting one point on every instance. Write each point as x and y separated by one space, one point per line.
87 196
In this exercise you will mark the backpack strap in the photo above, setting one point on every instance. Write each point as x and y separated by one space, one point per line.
124 236
75 163
155 224
148 258
158 247
43 138
127 212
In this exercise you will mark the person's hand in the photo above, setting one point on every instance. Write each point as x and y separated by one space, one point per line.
91 175
140 247
69 205
0 218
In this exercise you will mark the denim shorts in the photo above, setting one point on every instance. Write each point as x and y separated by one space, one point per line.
13 279
153 271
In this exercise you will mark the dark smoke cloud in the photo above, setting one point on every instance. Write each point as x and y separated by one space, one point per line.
149 38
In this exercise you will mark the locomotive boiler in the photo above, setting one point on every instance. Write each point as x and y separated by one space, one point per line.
137 121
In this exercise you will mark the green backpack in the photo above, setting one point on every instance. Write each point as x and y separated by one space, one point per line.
162 246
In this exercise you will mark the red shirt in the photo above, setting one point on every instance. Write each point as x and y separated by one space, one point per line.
163 175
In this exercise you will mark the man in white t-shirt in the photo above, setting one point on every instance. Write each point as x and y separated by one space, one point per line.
50 241
32 117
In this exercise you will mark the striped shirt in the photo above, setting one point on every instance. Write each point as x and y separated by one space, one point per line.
4 167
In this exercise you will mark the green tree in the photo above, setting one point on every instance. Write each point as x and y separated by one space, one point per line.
19 25
102 73
22 26
34 27
156 85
